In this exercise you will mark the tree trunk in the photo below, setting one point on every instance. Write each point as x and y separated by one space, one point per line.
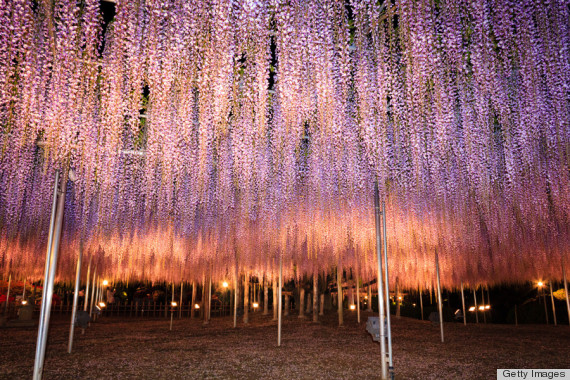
287 305
275 299
315 296
246 299
301 302
322 309
339 294
265 296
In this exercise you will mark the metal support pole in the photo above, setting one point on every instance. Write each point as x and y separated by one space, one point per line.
439 299
180 306
86 300
172 307
476 309
387 289
357 294
8 294
566 292
48 282
553 307
381 304
75 298
315 295
236 295
279 314
463 303
38 361
92 292
420 291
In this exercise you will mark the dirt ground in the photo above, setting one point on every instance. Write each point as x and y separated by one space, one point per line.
129 348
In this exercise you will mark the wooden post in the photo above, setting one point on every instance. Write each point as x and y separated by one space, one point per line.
246 299
180 306
194 294
566 292
279 301
553 307
357 294
339 293
369 303
476 309
463 303
236 294
301 301
439 299
421 303
265 296
483 304
322 304
397 298
315 296
274 285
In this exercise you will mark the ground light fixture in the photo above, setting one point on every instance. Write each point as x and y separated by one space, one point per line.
173 304
472 308
102 304
196 306
352 307
255 305
540 284
105 282
225 284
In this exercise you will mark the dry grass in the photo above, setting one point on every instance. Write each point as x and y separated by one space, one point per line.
115 348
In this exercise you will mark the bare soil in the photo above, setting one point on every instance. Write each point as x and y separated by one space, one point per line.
137 348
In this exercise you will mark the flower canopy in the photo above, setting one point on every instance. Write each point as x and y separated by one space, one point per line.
209 134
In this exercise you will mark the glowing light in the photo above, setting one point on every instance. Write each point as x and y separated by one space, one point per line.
102 304
540 284
487 307
400 298
352 307
174 304
255 305
225 284
472 308
24 302
196 306
481 307
105 282
365 297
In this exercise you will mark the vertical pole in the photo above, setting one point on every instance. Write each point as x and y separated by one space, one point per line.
421 303
42 326
24 292
439 299
566 292
265 296
92 291
476 308
8 294
75 297
545 307
381 304
398 296
210 296
86 300
48 284
483 304
194 294
315 296
180 306
463 303
280 312
387 289
236 295
369 303
553 307
275 295
357 293
172 307
246 298
339 293
301 300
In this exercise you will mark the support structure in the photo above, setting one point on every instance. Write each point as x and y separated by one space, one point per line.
275 295
279 317
566 291
315 296
439 299
86 300
357 294
421 303
194 295
265 296
339 293
301 301
56 222
8 294
387 289
381 304
180 305
75 298
463 304
246 299
553 307
236 295
172 307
